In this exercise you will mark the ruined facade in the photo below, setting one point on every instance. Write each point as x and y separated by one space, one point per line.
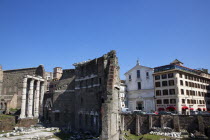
22 89
87 98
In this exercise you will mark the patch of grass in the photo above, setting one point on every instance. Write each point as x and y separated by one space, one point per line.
154 137
144 137
2 132
132 137
13 109
3 116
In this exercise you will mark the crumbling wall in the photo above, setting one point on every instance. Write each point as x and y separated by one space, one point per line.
12 84
7 122
59 105
1 79
141 124
90 95
110 116
26 122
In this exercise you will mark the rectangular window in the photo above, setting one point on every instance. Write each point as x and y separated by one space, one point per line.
180 75
157 84
171 82
187 92
186 76
182 91
99 81
138 73
139 85
157 77
164 76
129 77
147 75
170 75
158 92
159 101
165 92
164 83
173 101
181 82
192 84
166 101
172 91
186 83
183 101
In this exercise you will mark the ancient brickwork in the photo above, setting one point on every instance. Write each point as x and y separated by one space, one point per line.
87 98
1 78
189 123
177 122
166 121
7 123
129 123
156 121
12 85
59 103
26 122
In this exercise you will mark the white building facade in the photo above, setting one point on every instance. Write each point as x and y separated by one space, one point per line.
140 88
181 89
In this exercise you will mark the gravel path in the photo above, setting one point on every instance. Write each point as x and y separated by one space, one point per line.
33 134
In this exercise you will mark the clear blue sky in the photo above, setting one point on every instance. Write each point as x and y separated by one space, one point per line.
62 32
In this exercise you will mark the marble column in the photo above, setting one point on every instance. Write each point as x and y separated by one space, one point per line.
41 98
23 101
36 103
30 99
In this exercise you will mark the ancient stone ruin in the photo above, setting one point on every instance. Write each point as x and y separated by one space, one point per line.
87 98
82 99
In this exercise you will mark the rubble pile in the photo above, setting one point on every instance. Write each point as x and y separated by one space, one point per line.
23 130
165 131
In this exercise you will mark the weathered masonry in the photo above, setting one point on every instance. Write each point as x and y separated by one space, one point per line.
86 98
142 124
22 89
31 101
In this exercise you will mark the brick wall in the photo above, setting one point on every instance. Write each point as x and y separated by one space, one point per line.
141 124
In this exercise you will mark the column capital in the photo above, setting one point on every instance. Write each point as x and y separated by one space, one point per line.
25 79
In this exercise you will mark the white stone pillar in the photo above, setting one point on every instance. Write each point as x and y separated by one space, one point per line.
41 98
36 103
23 101
42 93
30 99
